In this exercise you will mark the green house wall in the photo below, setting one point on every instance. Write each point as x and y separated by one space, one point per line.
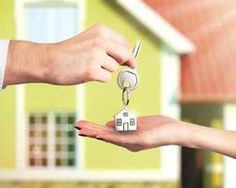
102 100
7 97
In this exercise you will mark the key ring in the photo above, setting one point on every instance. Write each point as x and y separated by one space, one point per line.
125 96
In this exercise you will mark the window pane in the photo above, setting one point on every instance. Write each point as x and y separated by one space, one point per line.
64 146
37 133
65 140
50 24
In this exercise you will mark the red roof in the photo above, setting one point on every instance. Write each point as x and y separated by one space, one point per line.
209 74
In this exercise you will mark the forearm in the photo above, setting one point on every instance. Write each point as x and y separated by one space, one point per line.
221 141
26 63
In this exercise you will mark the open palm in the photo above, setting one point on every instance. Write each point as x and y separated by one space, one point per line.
153 131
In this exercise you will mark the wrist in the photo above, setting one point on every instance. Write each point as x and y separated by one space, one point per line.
26 63
189 135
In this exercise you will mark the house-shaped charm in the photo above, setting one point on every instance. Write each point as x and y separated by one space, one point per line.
125 120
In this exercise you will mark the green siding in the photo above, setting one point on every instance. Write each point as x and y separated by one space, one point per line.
42 97
104 100
7 97
7 29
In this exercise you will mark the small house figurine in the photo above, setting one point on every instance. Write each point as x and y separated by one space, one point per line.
125 120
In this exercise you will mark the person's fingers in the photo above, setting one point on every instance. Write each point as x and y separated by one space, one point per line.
81 124
91 129
116 45
102 75
109 33
110 124
107 134
109 64
85 129
119 52
132 62
112 138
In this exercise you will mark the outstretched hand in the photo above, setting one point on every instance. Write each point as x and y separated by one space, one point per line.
92 55
153 131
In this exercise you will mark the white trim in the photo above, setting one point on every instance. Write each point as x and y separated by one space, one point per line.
76 175
170 71
80 114
19 17
51 139
158 25
80 96
57 2
20 128
229 163
20 95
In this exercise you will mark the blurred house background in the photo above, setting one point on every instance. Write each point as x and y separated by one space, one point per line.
186 69
208 87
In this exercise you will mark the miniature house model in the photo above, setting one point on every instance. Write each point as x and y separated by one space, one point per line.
125 121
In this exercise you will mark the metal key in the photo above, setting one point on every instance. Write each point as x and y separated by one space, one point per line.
129 76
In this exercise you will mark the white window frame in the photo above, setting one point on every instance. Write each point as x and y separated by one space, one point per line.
229 163
50 141
170 93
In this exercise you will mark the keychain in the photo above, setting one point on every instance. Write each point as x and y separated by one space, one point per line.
127 80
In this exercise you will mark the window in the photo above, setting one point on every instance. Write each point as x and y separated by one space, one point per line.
62 140
50 23
132 121
38 135
52 141
65 145
119 122
47 144
125 114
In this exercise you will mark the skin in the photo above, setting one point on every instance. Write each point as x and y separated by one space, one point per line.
89 56
156 131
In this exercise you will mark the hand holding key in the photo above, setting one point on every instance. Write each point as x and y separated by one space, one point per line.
92 55
129 76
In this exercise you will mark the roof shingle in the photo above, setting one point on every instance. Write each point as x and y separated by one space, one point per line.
209 74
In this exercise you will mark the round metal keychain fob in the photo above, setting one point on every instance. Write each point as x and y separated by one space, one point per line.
128 78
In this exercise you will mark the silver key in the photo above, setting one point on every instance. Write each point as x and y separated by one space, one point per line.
129 76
